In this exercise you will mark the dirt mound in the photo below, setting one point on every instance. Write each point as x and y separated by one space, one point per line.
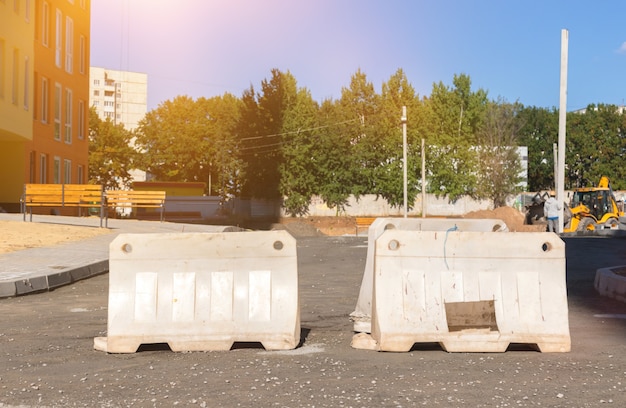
513 219
342 225
317 226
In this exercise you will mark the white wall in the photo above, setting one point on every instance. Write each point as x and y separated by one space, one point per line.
369 205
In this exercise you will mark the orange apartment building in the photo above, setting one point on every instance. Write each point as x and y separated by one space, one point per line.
44 94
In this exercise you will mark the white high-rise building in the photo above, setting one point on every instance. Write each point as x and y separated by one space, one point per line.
121 96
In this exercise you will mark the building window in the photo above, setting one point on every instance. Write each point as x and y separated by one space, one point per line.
58 42
57 111
26 84
56 176
80 175
68 116
36 103
96 82
44 100
81 119
69 45
96 103
67 171
2 70
45 24
16 75
96 92
82 54
43 168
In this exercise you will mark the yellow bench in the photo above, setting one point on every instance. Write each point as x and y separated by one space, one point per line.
62 195
134 199
362 222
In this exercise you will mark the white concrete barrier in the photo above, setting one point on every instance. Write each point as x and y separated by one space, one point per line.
363 311
469 291
611 282
202 291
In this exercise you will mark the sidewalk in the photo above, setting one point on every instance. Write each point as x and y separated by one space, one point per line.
39 269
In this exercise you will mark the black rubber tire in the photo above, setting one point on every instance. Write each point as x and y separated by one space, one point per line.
611 223
587 224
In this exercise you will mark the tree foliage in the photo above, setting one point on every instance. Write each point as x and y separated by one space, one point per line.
298 173
456 114
539 131
111 157
595 147
190 141
500 167
387 164
279 143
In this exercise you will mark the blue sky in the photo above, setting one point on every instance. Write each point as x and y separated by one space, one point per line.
511 49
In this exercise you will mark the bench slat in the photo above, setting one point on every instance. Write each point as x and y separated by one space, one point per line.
362 222
135 199
62 195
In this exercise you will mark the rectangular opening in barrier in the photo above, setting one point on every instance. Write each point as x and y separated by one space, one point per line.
479 315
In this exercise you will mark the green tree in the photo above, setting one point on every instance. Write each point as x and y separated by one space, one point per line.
360 102
334 158
388 174
454 117
298 175
250 142
224 163
261 140
111 156
500 163
539 132
595 146
191 141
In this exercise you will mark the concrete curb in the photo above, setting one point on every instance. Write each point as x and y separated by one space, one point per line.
52 281
610 284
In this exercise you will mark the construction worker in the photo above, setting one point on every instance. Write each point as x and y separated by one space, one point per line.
551 210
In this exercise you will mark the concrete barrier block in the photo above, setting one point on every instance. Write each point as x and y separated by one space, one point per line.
202 291
363 310
611 282
470 291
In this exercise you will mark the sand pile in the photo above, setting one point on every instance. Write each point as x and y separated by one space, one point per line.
513 218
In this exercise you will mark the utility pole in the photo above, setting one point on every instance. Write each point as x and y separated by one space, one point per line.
423 179
560 193
404 160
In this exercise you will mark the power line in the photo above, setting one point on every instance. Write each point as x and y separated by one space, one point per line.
261 147
297 131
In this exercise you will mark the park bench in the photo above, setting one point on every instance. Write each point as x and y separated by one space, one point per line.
363 222
133 199
62 195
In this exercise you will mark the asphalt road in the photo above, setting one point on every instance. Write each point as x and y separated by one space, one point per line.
47 357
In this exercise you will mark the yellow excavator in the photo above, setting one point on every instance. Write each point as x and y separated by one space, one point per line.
593 208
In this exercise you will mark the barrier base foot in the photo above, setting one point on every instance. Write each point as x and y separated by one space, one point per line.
470 341
286 344
131 345
118 345
465 346
364 341
563 347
